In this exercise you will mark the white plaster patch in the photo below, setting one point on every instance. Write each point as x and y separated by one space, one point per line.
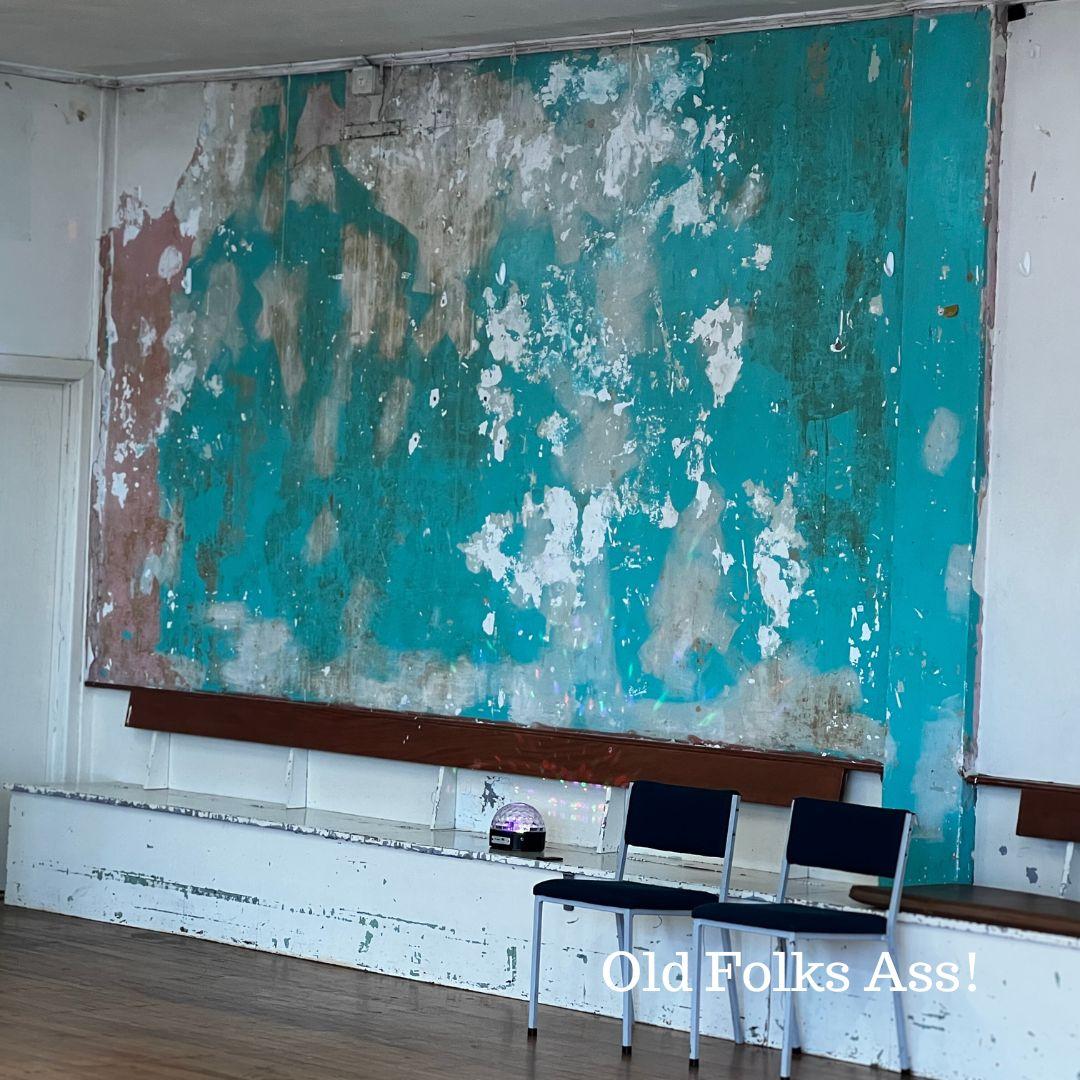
555 563
673 80
720 331
119 487
553 555
600 84
594 525
687 615
554 429
761 258
780 571
597 83
322 537
768 640
147 336
395 408
629 143
875 66
748 199
939 772
483 550
508 328
536 159
130 213
958 579
715 136
941 442
701 497
178 384
170 263
500 404
190 225
265 657
689 206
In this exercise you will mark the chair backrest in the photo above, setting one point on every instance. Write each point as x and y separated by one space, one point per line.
847 837
686 820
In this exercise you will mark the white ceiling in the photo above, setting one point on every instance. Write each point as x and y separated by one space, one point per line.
138 37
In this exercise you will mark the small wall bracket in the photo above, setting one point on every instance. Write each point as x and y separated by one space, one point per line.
364 105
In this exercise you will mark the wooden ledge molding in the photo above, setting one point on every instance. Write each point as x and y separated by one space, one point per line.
773 778
981 904
1048 811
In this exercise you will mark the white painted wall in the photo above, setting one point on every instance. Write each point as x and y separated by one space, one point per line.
30 446
50 176
1029 715
1029 711
50 199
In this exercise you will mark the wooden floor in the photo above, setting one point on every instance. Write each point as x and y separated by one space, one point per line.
94 1001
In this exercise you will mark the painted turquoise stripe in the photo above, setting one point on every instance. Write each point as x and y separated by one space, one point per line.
939 464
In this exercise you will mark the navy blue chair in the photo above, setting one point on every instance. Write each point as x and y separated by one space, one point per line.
827 836
667 817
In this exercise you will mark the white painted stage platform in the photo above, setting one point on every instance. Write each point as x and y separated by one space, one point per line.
435 904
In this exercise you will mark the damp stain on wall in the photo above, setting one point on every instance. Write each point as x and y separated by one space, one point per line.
573 401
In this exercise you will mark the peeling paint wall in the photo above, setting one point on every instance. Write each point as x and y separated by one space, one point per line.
575 402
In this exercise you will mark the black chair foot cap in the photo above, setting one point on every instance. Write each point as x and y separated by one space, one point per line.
796 1051
695 1062
905 1072
531 1033
626 1051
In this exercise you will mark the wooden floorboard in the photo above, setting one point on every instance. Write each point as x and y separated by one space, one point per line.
101 1002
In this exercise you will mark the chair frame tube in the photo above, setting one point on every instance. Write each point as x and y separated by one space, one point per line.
791 1037
624 922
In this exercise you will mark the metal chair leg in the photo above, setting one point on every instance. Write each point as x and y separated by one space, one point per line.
786 1047
625 923
732 990
534 976
695 996
898 1009
796 1034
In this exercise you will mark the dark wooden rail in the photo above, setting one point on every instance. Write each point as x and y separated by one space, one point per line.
1048 811
980 904
770 777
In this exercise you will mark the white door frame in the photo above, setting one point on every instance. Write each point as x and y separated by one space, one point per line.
67 757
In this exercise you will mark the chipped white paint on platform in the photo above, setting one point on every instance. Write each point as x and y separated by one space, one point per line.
368 899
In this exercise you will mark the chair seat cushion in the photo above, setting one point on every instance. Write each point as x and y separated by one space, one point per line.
793 918
629 895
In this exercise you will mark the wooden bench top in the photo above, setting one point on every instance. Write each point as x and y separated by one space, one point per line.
978 903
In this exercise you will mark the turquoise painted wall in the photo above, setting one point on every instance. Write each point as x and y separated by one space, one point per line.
575 402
